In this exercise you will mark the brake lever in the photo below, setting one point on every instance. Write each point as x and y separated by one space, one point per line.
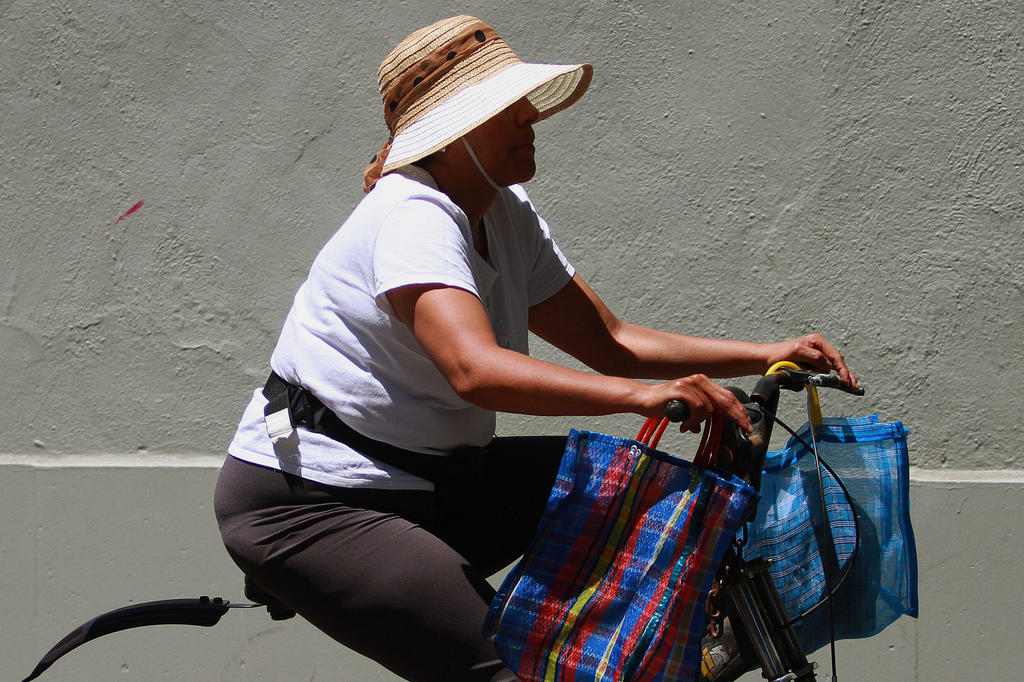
832 380
797 379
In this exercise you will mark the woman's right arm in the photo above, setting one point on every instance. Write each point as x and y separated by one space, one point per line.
454 330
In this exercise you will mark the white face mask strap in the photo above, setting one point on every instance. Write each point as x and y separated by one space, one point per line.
479 167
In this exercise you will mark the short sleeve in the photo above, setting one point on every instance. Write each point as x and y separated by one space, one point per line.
419 242
550 270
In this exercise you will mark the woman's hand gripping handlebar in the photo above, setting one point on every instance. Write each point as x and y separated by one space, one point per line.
696 398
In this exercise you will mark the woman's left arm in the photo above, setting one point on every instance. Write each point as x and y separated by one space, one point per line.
577 321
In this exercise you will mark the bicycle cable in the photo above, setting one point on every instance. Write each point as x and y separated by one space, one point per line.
827 556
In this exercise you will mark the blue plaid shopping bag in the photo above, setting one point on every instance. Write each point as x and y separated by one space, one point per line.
615 583
866 486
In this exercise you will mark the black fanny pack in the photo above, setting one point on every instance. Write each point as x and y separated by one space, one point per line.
290 406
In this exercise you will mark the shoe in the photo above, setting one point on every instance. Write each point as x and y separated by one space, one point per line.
721 658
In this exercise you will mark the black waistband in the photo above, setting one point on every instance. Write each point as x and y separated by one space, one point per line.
308 411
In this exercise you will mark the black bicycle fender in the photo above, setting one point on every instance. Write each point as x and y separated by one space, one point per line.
201 611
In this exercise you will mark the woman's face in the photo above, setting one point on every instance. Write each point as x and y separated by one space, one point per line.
504 144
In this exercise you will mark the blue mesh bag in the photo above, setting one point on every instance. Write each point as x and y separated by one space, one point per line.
867 491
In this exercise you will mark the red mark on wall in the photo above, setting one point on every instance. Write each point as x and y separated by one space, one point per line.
127 213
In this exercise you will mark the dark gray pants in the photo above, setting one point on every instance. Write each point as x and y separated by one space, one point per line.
397 575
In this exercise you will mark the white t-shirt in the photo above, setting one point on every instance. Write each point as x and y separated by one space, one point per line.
342 341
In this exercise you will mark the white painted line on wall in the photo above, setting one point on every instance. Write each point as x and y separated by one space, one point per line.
135 461
966 475
113 461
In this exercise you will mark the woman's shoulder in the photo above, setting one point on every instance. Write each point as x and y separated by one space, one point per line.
515 212
396 198
516 194
398 187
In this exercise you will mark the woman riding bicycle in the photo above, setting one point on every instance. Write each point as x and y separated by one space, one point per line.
365 488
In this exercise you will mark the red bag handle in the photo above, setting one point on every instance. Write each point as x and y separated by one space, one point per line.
707 452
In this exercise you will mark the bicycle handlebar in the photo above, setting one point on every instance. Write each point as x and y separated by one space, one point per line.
742 453
677 411
788 378
795 380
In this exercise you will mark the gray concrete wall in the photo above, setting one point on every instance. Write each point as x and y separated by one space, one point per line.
742 169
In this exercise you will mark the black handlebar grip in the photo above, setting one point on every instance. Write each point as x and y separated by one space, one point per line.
677 411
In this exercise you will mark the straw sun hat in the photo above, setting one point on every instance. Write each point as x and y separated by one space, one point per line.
444 80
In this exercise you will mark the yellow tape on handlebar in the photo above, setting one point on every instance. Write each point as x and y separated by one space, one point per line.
784 363
812 395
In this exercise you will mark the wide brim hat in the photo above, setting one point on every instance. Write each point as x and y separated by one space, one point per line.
446 79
